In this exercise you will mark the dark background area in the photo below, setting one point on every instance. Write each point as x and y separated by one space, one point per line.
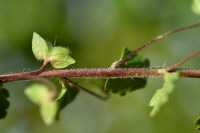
96 32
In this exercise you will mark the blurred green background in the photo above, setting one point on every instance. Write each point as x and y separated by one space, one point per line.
96 31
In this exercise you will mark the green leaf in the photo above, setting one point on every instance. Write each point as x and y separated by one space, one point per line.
48 110
59 57
3 114
41 95
44 50
196 6
3 100
197 122
122 86
5 92
40 47
135 61
162 95
62 94
67 95
37 93
4 103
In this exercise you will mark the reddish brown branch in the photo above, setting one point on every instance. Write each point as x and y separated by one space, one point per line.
88 91
96 73
183 61
154 40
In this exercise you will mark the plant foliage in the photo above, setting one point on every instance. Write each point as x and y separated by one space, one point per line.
162 95
57 56
122 86
41 94
4 103
51 103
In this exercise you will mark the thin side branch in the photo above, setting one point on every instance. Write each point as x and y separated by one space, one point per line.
86 90
42 67
183 61
156 39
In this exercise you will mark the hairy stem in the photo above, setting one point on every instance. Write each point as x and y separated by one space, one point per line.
96 73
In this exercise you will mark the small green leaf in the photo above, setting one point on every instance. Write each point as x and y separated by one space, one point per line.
4 103
135 61
62 93
6 106
3 100
41 95
40 47
37 93
59 57
196 6
3 114
44 50
155 97
197 122
48 110
67 95
122 86
162 95
5 92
